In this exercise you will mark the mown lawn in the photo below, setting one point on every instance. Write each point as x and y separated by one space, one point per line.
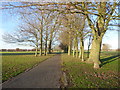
13 65
82 75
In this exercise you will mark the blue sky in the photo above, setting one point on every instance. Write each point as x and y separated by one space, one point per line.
9 23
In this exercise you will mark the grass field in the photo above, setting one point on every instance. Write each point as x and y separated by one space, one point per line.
82 75
18 53
13 65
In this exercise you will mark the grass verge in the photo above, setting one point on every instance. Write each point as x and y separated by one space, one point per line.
83 75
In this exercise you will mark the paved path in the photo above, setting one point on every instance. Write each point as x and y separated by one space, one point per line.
45 75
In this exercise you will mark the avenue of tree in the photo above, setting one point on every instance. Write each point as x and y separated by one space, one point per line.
70 23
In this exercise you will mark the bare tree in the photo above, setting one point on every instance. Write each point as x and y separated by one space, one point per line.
54 29
103 13
27 34
99 27
75 28
79 26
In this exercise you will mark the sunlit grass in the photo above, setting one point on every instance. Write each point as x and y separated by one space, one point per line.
13 65
83 75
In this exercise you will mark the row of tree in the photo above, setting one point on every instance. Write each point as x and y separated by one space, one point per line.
74 34
98 16
74 19
37 29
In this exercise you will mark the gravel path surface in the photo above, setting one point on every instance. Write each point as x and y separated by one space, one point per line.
45 75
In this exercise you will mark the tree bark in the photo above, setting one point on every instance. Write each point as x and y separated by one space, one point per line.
81 54
46 39
45 51
82 51
69 49
50 44
41 36
74 47
70 44
95 52
41 43
36 52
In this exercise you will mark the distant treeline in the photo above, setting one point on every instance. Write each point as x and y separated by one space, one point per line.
12 50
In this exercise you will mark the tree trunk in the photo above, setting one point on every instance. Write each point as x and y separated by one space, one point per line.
45 52
36 52
69 49
41 36
49 48
70 46
74 47
41 49
41 41
82 46
88 51
81 54
95 52
73 51
46 39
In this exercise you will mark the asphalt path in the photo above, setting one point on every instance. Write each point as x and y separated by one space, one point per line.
46 75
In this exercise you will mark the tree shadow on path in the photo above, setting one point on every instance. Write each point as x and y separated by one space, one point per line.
108 60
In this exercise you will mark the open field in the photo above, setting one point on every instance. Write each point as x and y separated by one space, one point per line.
23 53
13 65
18 53
82 75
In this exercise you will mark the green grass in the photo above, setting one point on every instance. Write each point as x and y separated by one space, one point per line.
13 65
83 75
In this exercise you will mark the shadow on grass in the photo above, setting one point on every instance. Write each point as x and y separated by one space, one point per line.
108 60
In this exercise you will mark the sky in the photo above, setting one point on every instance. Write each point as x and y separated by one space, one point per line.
9 23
